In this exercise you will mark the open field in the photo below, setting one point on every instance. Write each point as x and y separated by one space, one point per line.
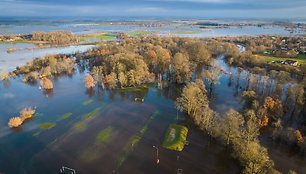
97 36
299 58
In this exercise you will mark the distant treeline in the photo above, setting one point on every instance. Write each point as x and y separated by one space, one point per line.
55 37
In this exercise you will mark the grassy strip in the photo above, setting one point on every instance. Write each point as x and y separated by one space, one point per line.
88 102
98 36
47 125
133 89
134 140
104 135
177 142
299 58
137 33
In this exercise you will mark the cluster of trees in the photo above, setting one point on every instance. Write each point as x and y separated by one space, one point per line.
25 113
55 37
239 131
46 67
271 112
135 61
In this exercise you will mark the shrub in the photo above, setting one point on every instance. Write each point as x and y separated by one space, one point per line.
15 122
45 83
26 113
4 75
89 81
30 77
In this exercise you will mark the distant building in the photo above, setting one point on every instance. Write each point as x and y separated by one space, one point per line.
287 62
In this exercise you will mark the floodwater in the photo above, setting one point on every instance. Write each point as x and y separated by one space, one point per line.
27 51
134 128
227 94
182 30
80 119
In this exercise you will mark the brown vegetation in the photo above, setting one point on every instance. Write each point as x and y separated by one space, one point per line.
25 113
4 75
55 37
89 81
46 83
15 122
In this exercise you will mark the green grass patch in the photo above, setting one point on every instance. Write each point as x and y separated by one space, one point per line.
104 135
299 58
88 102
91 114
133 89
80 126
97 36
64 116
175 137
137 33
47 125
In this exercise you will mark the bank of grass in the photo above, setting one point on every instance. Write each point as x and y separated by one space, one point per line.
97 36
177 142
47 125
300 58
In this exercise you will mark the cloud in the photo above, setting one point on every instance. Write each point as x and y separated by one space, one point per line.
197 8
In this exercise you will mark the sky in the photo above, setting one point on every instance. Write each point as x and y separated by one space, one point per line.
172 8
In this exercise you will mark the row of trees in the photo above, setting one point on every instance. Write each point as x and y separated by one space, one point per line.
239 131
55 37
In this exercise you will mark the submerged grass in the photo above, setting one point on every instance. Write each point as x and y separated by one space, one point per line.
38 114
88 102
47 125
104 135
81 125
64 116
135 140
175 137
91 114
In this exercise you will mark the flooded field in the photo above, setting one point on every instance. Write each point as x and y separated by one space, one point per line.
106 131
100 132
